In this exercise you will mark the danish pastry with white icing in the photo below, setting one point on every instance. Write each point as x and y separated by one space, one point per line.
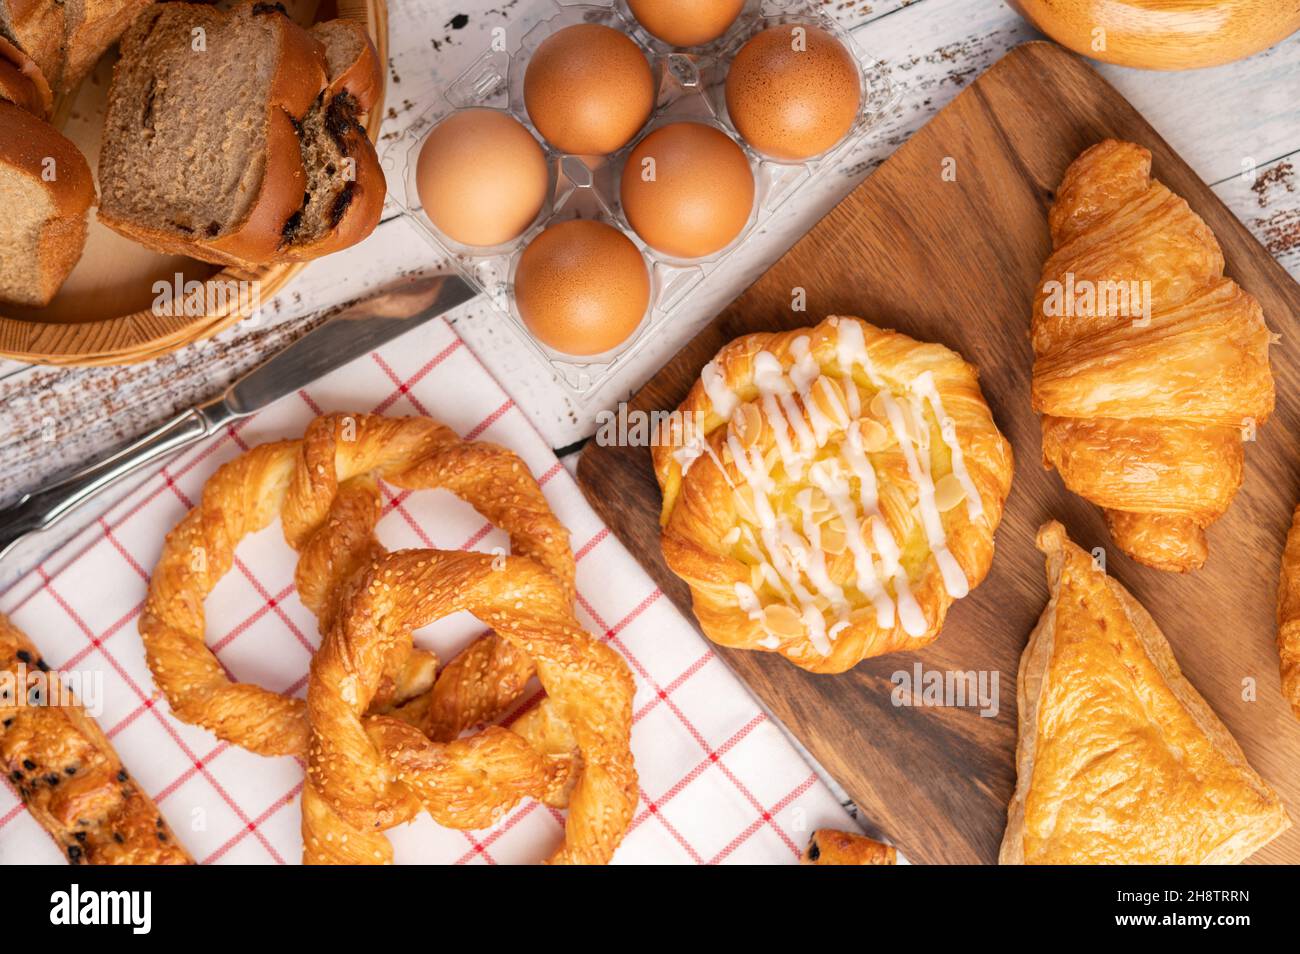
831 491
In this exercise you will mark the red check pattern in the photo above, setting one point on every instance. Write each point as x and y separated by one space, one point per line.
719 781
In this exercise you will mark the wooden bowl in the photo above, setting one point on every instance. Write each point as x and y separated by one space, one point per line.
1164 34
104 312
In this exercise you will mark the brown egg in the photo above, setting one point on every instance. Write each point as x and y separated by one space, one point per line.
481 176
582 287
687 189
793 94
588 89
686 22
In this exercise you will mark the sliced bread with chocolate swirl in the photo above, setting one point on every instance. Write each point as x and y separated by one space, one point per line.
225 138
345 184
200 151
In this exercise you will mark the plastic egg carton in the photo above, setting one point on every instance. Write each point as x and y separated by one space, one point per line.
690 85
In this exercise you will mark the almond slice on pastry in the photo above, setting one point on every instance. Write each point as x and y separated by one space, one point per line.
1120 760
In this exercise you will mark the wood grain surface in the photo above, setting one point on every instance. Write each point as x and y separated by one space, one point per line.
957 262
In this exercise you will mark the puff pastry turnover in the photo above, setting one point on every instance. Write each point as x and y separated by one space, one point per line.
1120 760
838 487
1151 367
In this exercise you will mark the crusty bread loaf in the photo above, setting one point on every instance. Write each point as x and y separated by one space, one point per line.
45 189
233 154
91 27
66 771
345 184
22 82
200 151
37 27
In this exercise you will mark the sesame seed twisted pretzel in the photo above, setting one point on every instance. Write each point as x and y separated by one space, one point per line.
364 778
325 489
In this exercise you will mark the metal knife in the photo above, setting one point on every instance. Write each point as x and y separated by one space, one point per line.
354 331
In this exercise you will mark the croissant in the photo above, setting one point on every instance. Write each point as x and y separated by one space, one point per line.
1119 759
1151 367
837 488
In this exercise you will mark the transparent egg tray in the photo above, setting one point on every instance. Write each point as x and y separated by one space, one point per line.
690 87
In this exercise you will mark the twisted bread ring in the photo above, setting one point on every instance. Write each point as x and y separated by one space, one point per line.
323 487
352 793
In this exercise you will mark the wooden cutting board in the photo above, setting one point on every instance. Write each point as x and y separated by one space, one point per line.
957 262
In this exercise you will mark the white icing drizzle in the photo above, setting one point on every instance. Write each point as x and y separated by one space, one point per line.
851 349
792 562
725 402
883 541
836 489
817 570
748 600
693 449
791 459
815 623
715 386
807 441
919 470
924 385
806 370
908 610
689 453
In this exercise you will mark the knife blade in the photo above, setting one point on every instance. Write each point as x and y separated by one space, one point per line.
354 331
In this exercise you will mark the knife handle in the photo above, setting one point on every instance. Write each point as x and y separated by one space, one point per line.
45 507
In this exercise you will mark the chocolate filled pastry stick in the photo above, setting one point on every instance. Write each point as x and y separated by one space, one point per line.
830 847
66 772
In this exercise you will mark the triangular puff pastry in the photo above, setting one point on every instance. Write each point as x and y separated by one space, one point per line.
1120 760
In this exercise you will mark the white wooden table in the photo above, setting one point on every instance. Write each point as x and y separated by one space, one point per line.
1238 126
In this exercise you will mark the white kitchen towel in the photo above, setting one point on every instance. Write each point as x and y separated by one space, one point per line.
719 781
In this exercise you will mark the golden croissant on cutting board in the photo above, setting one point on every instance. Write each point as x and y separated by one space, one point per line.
1151 368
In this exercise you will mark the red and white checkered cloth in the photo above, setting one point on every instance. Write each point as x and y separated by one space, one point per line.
719 781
